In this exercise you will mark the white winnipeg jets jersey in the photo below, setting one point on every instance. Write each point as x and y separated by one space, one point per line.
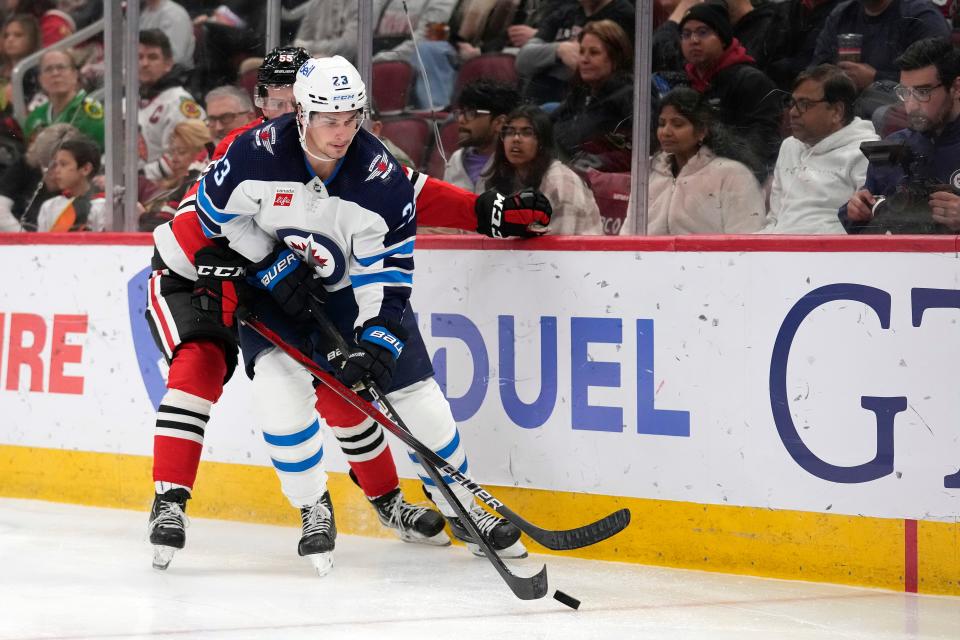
359 225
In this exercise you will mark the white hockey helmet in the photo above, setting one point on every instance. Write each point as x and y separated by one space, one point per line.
329 85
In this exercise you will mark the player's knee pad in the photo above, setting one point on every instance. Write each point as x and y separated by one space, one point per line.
424 409
282 392
427 413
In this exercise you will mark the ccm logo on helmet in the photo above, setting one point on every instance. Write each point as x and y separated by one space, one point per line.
220 272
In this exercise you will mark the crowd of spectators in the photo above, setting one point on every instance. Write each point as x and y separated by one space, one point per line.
768 116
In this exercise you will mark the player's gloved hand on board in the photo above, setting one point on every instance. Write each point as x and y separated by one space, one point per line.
221 273
379 345
292 283
524 214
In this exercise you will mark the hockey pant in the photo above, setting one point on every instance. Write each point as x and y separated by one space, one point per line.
202 358
284 399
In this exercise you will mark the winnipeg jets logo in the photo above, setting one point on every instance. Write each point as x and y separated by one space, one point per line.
318 251
266 138
955 180
381 167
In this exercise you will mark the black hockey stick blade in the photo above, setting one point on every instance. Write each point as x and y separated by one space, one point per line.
576 538
525 588
556 540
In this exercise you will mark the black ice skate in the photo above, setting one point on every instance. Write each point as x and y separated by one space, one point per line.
167 524
411 523
502 536
319 534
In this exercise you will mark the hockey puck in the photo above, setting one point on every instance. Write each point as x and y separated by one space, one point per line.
570 601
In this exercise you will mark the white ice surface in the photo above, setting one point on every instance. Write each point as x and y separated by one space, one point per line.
80 572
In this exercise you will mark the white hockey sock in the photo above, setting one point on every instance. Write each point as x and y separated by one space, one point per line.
284 402
427 413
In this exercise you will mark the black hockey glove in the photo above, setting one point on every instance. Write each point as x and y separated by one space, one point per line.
379 345
524 214
291 283
221 273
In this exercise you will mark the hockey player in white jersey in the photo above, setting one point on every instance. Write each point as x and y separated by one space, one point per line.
314 181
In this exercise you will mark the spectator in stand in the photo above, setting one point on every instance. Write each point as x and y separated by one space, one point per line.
187 154
232 29
744 99
547 61
889 203
21 37
760 27
593 124
480 26
163 100
888 27
28 183
702 179
529 17
392 41
173 20
525 158
67 102
228 107
328 29
820 165
80 205
481 111
55 23
803 20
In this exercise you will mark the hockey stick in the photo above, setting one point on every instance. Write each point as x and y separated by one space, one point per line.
557 540
530 588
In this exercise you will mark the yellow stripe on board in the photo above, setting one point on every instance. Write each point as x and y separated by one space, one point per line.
746 540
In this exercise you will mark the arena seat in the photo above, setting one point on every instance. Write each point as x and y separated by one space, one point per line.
410 134
392 82
496 66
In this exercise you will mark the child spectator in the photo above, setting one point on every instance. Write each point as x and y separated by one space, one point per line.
593 124
700 181
526 158
28 182
81 206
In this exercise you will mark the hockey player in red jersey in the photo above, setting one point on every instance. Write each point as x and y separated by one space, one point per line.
190 310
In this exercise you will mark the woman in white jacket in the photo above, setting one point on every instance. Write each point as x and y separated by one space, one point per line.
526 157
700 181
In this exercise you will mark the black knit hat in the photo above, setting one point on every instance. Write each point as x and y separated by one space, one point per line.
715 17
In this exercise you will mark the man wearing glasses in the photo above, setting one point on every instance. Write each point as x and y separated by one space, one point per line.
820 164
930 91
228 107
482 109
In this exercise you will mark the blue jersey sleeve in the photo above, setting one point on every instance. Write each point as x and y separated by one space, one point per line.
381 264
228 198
